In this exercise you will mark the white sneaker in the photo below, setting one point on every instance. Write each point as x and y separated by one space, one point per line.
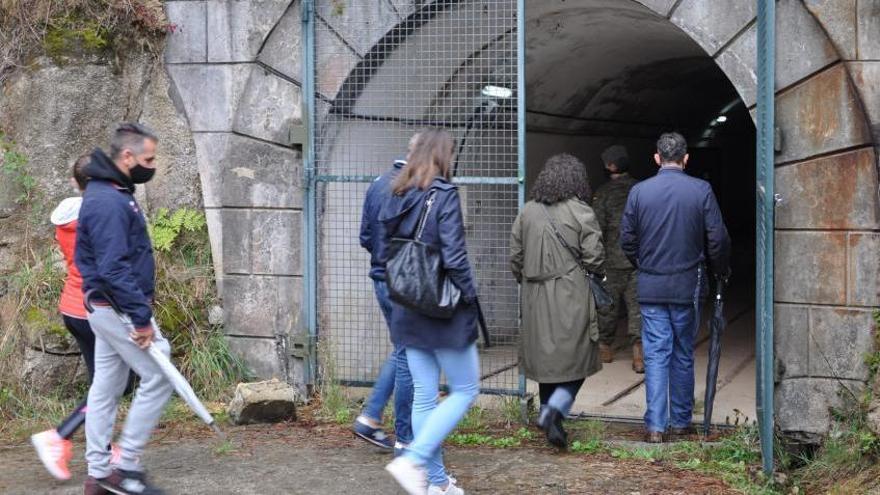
54 452
410 477
451 489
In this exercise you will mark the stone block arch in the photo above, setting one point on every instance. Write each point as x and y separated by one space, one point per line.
236 69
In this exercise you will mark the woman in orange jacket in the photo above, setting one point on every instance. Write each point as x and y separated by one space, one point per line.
54 446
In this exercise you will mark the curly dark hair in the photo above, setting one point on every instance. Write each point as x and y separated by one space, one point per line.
563 177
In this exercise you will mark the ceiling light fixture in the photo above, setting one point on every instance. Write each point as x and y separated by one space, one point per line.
497 92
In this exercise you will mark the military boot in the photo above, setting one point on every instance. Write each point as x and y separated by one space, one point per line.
638 358
606 353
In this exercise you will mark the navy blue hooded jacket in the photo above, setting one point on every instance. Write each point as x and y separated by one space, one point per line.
113 250
444 230
378 191
670 223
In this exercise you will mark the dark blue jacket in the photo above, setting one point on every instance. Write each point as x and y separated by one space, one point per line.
670 223
444 229
378 191
113 250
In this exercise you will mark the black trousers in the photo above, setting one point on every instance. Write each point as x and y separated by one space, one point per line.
545 390
82 333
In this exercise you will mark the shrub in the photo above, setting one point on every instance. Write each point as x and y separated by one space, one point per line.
62 28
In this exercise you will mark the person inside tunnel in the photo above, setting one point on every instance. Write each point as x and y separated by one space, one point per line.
602 82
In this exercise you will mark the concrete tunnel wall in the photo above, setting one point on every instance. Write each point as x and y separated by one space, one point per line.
236 68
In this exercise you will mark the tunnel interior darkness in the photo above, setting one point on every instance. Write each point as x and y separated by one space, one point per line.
602 72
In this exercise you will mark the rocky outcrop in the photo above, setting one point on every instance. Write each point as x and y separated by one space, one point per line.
56 113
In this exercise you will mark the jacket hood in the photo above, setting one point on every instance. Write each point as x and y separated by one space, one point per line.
102 168
67 211
398 206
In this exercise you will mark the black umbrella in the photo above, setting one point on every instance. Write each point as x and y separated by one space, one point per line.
716 327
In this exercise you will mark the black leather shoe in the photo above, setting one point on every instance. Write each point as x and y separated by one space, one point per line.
654 437
682 432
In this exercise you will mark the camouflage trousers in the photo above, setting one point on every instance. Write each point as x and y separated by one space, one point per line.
622 286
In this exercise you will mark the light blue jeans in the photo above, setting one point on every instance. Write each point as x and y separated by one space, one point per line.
393 378
432 423
668 332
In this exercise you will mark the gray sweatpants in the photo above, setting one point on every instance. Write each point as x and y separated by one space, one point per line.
115 354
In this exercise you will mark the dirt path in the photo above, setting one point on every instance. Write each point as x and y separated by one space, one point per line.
292 459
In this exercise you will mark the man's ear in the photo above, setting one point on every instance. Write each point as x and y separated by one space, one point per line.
657 159
684 161
127 157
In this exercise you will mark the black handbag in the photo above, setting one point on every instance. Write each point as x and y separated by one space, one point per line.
600 293
415 275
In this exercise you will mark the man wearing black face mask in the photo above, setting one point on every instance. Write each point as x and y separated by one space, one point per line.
115 257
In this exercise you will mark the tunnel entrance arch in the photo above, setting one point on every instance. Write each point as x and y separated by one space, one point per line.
360 48
602 73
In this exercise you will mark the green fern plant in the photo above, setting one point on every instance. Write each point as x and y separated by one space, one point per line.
166 227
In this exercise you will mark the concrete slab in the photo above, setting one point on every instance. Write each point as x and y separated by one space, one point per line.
864 269
711 23
188 41
269 108
866 78
261 306
618 392
283 50
791 341
210 93
262 242
820 115
835 192
738 63
809 48
262 355
803 405
254 173
838 19
237 28
364 23
839 341
805 257
868 29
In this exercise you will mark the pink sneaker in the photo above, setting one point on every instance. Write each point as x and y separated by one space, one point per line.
54 452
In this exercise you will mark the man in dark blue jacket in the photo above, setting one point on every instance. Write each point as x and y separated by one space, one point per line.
115 257
394 376
670 224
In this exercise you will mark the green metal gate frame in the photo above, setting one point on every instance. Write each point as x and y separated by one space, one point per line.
764 218
313 178
766 203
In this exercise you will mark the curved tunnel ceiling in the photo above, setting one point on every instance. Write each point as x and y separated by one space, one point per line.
601 62
592 66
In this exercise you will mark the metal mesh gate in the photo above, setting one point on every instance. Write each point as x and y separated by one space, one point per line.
383 69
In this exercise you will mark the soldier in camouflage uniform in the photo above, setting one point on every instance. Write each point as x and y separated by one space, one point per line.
608 204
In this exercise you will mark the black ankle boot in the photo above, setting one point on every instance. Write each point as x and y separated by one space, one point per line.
556 434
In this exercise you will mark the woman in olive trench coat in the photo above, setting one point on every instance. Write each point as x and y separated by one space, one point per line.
560 333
